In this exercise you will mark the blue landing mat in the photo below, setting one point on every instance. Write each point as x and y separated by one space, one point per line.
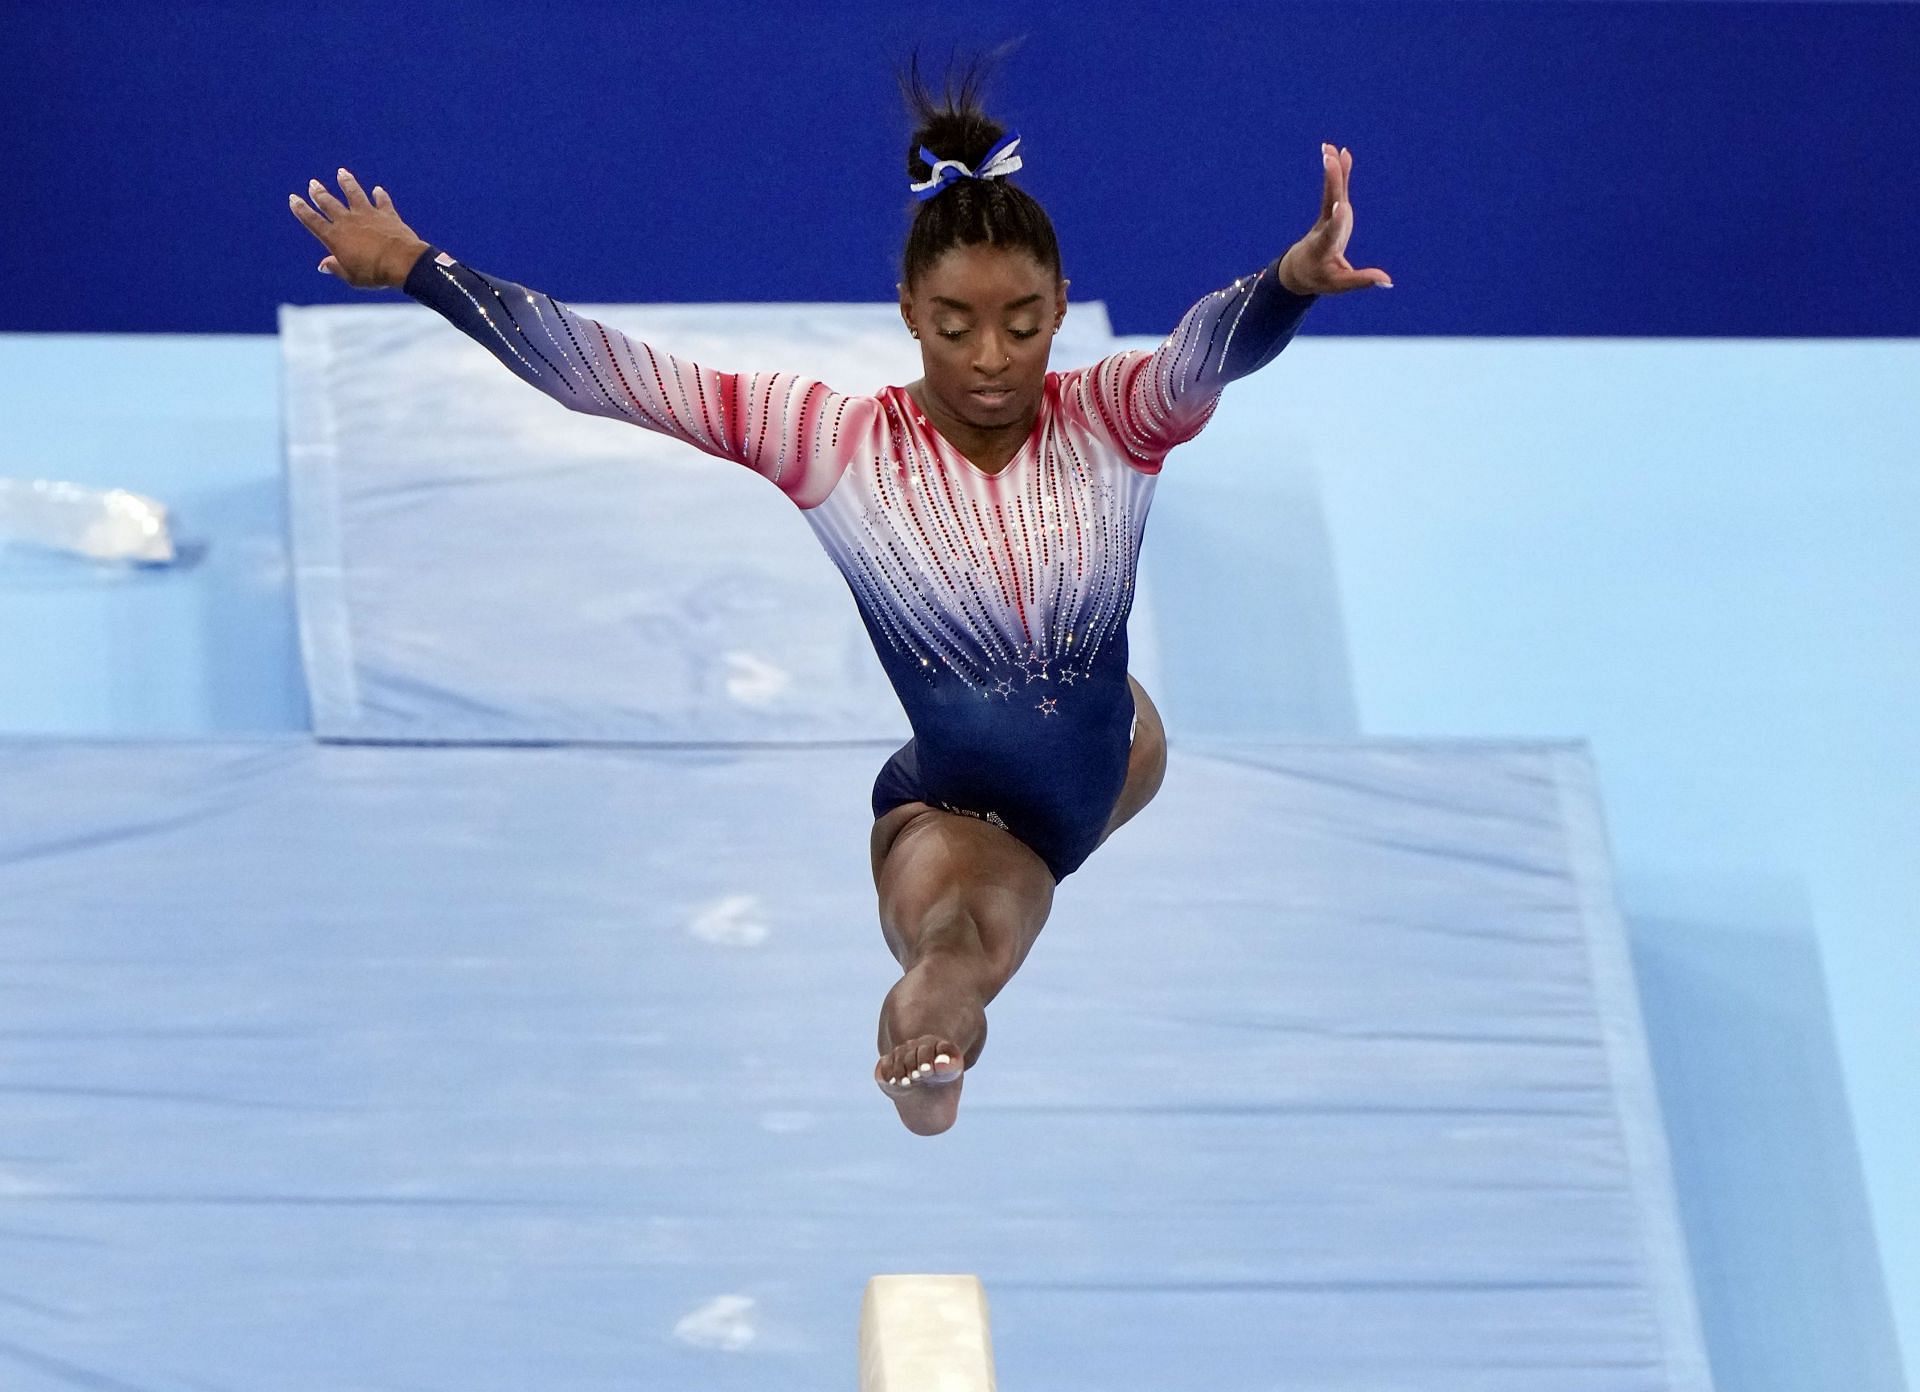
360 1069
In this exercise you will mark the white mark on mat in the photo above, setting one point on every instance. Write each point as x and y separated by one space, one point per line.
735 921
754 681
725 1322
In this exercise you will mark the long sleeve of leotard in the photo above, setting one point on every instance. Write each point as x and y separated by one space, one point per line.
789 429
1150 402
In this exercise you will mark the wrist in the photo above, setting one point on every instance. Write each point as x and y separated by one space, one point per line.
400 262
1289 279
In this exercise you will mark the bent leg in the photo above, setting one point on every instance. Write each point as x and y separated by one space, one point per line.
961 903
1146 762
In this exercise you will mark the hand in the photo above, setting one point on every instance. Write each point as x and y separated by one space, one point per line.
1317 263
369 247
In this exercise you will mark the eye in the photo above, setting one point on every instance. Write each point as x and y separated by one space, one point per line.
1023 333
953 333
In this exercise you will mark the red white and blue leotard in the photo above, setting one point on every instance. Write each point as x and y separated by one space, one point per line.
997 603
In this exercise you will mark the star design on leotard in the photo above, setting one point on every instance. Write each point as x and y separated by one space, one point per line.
1004 687
1048 706
1036 661
1067 674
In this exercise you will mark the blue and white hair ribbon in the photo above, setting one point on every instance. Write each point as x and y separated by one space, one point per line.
1000 161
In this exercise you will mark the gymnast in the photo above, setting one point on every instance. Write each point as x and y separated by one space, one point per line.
987 519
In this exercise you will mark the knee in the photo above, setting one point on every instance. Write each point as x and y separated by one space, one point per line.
957 934
1149 753
1147 726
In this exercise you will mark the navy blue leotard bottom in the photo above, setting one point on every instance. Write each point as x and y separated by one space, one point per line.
1063 843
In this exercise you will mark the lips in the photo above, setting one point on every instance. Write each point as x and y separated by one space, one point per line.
992 396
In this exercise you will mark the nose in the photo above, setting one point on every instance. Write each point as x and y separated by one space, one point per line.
994 356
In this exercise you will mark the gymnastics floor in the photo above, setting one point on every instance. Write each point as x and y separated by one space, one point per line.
514 1028
349 1066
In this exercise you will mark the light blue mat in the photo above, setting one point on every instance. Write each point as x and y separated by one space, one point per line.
336 1068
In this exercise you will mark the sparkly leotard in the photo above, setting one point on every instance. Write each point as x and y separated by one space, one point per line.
997 603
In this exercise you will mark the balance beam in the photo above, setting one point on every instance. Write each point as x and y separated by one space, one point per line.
925 1334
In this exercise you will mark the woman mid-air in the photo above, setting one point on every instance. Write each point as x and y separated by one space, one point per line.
987 519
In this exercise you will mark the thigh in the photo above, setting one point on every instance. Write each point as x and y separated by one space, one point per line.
940 873
886 827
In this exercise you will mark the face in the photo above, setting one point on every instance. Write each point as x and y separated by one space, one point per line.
985 317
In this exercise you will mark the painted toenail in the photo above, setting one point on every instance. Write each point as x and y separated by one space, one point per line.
943 1058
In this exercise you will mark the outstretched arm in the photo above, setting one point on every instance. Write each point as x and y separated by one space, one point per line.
784 427
1154 401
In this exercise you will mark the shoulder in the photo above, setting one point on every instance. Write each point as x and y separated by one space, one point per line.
1096 394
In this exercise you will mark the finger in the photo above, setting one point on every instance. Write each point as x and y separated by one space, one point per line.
1346 173
1336 231
329 266
323 197
309 219
1330 187
1339 225
351 187
1372 278
382 199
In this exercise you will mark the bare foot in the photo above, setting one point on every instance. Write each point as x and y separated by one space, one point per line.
923 1078
932 1029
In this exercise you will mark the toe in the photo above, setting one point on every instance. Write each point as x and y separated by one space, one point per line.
928 1059
901 1067
942 1064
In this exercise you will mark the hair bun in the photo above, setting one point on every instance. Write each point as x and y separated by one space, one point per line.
964 212
965 136
953 124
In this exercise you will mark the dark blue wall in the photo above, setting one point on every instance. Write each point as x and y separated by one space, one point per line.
1521 168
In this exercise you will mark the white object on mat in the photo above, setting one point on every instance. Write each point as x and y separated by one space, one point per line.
102 524
925 1334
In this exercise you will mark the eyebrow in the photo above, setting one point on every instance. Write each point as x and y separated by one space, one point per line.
963 305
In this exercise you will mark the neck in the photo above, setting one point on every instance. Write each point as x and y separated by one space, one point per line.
987 447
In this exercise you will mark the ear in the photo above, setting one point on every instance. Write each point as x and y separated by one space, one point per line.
1060 301
906 310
